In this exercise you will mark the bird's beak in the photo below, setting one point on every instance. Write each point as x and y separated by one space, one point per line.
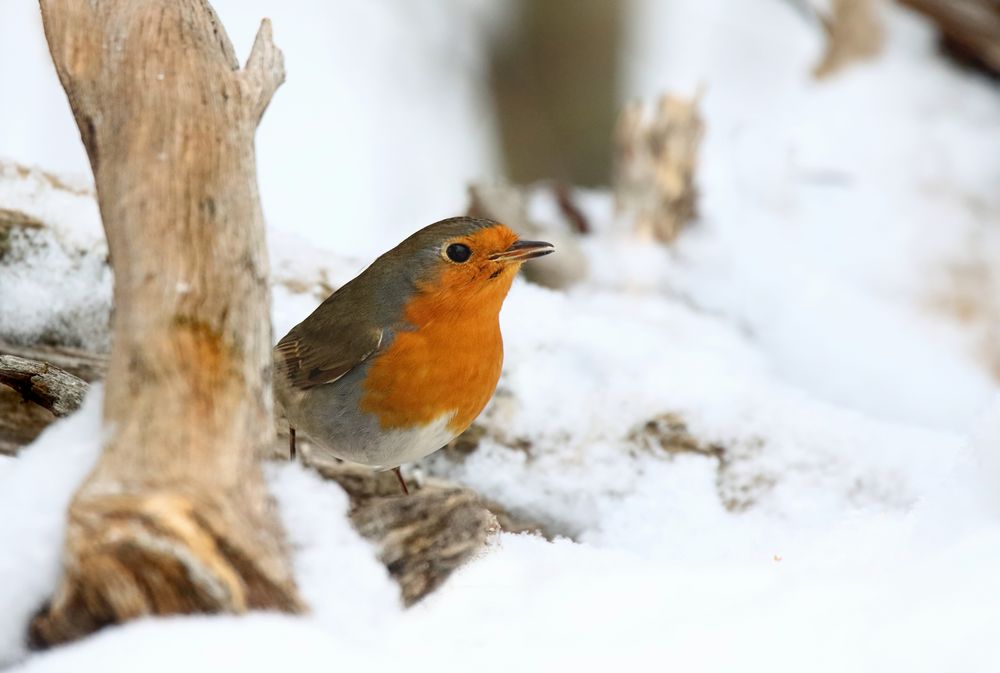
523 250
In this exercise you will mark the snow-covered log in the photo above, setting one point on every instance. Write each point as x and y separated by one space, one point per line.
175 518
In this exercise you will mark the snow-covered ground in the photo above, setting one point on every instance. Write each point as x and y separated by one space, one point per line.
802 325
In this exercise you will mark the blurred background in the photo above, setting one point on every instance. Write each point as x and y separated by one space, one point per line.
391 108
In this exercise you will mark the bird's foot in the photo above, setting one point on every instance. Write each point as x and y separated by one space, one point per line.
402 482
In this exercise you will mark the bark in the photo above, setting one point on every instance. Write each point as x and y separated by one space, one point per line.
176 517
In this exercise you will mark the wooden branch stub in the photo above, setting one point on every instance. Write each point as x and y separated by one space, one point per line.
264 71
47 386
854 33
656 158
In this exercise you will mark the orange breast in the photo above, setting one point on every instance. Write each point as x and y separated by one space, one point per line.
449 364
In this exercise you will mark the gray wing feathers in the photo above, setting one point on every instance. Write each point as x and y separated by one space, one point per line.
310 357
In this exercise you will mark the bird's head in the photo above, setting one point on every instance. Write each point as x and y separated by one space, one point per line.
464 261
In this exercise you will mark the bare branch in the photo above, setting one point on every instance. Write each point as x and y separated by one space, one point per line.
58 391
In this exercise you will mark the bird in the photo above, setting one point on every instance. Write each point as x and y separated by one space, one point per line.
402 359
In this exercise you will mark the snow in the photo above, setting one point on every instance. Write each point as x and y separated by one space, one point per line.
798 325
61 267
840 197
35 490
316 518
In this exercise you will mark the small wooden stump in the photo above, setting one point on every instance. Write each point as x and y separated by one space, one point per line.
656 158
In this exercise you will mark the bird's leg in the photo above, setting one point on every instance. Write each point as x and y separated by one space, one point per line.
291 443
402 482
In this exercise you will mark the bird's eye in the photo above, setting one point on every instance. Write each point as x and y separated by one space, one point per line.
457 252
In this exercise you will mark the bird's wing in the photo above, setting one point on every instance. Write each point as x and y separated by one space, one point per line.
314 354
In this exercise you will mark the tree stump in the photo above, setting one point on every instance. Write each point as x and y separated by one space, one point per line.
176 517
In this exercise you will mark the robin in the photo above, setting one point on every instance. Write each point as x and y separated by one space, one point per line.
400 360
